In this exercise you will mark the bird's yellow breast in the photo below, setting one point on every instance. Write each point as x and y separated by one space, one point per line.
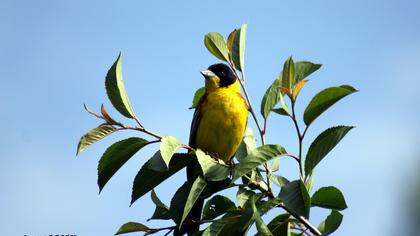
222 122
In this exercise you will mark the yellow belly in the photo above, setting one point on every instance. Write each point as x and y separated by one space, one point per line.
222 124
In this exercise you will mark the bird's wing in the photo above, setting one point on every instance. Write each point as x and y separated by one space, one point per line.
195 122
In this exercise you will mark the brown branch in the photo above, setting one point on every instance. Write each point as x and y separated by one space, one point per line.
302 219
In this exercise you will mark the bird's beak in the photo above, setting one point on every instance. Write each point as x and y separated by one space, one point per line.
207 74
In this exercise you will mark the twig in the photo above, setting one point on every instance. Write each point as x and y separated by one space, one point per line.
300 137
155 230
92 113
303 230
141 129
302 219
248 101
211 221
169 232
254 116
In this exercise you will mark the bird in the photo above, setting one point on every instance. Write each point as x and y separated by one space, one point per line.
218 124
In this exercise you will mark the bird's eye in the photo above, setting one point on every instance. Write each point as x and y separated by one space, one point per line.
222 73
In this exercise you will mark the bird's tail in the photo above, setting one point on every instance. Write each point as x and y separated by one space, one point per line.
190 225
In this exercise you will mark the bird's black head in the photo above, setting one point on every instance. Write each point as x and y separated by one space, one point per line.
223 71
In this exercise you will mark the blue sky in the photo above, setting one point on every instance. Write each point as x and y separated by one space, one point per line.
55 55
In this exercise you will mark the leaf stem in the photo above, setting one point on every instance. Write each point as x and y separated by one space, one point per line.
187 147
302 219
138 122
154 141
292 156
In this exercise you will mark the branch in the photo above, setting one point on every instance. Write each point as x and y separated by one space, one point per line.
141 129
302 219
300 137
254 116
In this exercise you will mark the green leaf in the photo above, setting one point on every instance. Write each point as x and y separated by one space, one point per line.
216 186
240 224
323 144
184 199
256 158
216 206
248 144
243 195
156 200
197 96
265 206
261 226
272 96
230 40
216 45
160 214
212 170
296 234
331 223
131 227
280 225
168 146
116 156
296 198
329 197
281 111
303 69
116 90
94 136
147 179
324 100
229 220
156 162
279 180
288 74
234 222
238 48
255 180
309 183
161 211
275 164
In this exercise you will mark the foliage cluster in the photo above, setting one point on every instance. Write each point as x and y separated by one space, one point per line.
256 169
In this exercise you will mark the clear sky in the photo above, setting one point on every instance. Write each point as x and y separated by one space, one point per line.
55 54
